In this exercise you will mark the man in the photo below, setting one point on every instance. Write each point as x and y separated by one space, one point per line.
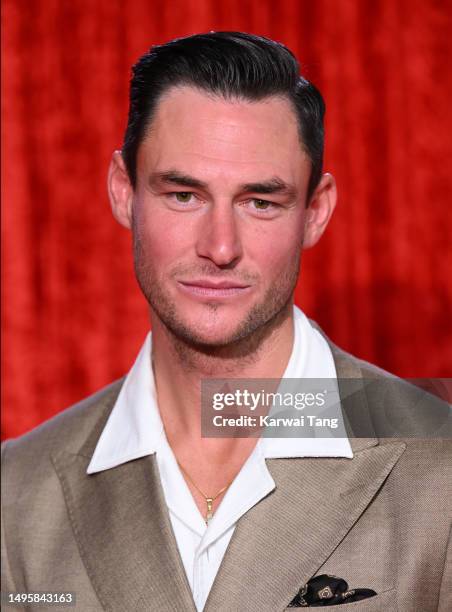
120 499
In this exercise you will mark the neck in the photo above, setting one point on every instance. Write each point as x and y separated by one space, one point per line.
180 367
211 464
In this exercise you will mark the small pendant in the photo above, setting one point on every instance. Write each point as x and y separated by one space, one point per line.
209 514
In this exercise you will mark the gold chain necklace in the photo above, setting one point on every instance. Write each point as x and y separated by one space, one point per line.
209 499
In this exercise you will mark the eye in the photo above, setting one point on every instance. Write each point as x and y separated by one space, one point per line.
262 208
261 204
184 197
183 201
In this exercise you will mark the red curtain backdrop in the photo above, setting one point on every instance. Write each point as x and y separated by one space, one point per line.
380 281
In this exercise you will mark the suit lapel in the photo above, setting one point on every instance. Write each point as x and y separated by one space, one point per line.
284 540
122 527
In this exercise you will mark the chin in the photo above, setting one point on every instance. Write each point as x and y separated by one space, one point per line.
220 333
218 325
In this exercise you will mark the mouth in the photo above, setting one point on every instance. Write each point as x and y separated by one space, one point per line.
213 288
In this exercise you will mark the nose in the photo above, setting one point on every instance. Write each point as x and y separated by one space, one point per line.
219 238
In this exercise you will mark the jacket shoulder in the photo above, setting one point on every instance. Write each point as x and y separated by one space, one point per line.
397 407
67 430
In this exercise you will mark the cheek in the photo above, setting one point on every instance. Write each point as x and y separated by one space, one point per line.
162 237
277 248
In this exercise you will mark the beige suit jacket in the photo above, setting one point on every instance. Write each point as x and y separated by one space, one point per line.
380 520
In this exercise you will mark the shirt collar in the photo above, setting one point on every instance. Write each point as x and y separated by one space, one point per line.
311 358
134 428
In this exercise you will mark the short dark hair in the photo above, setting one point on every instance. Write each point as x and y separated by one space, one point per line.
232 65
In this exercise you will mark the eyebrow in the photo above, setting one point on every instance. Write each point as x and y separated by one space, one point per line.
173 177
273 185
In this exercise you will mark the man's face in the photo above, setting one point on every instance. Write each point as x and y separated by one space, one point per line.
218 214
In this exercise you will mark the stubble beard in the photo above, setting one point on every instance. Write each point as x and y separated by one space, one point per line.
260 321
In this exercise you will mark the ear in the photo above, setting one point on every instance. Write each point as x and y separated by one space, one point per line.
120 190
320 208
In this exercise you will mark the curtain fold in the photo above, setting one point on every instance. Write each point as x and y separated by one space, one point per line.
379 281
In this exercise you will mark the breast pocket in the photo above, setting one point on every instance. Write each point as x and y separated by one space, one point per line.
383 602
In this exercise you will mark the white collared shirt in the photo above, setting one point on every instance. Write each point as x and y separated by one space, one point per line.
134 429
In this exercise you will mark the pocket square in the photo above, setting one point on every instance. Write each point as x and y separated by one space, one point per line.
327 590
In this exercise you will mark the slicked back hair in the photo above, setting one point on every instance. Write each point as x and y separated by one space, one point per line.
233 65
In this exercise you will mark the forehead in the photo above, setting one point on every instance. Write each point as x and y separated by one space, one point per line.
195 131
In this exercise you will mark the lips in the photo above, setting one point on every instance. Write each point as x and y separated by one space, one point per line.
214 284
213 288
